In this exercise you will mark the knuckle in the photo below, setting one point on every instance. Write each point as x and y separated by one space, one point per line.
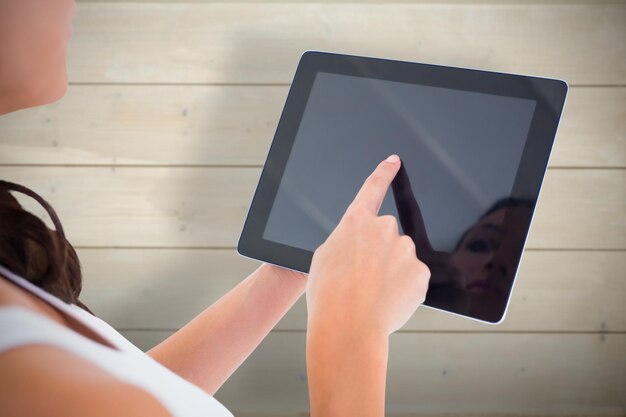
389 222
354 213
377 180
424 270
422 276
407 243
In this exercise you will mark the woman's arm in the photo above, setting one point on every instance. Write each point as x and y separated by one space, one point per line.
211 347
347 370
364 283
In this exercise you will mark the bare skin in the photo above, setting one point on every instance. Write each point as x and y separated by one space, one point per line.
34 34
64 384
365 282
205 352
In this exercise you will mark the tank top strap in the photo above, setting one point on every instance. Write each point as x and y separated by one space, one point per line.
95 324
20 326
35 290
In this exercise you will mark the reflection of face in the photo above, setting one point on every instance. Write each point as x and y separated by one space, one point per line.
34 36
475 256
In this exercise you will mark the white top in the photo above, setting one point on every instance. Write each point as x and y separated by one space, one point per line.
20 327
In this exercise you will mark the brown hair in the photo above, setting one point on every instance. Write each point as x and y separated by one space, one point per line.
32 250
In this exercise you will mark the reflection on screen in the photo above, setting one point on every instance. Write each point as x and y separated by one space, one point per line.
461 151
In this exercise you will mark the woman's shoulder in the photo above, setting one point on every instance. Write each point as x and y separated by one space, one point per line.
65 384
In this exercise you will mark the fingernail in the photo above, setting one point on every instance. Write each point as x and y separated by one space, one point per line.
393 158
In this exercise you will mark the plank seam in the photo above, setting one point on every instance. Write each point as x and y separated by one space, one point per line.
538 332
269 84
235 166
95 247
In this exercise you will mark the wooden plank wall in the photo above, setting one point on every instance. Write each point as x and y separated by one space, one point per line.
153 156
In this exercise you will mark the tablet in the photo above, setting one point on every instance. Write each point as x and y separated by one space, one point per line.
474 146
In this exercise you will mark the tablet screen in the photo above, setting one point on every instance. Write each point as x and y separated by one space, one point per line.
474 147
460 149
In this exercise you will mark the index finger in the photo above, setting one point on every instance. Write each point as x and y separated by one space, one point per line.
374 189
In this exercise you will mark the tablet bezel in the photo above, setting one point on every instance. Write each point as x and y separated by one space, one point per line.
549 94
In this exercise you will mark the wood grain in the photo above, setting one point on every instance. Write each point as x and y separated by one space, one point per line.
206 207
234 125
453 374
261 43
555 291
153 156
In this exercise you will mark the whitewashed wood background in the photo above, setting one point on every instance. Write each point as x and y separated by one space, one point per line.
153 156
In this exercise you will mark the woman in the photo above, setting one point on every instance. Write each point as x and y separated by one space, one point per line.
474 257
56 359
475 251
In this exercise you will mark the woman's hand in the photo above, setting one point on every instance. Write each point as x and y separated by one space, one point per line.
366 273
365 282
